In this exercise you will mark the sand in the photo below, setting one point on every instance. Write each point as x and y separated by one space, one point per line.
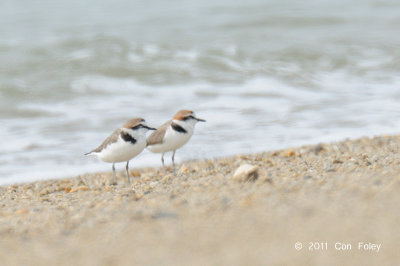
326 195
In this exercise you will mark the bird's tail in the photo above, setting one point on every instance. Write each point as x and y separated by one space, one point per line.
90 153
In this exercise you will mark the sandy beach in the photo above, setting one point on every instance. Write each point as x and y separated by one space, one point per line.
339 200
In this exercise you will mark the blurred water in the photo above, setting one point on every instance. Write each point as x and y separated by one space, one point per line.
265 75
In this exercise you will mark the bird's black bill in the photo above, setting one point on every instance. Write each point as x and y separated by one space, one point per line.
150 128
200 120
143 126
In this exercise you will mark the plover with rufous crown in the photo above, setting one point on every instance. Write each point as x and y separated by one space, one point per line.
123 144
173 134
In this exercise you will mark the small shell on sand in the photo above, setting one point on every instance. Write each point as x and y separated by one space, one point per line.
246 172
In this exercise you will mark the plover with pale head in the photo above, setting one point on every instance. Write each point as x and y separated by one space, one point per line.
123 144
173 134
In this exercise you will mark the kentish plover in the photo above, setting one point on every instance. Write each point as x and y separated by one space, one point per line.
173 134
123 144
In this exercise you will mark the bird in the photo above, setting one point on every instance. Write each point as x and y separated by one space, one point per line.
173 134
123 144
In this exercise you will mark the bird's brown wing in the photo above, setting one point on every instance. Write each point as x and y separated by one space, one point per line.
110 139
157 136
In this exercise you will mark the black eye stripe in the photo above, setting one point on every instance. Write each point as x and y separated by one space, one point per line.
137 127
188 117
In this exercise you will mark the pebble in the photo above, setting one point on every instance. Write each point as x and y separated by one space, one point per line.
80 188
289 153
153 184
44 193
135 173
317 149
21 211
183 170
139 196
166 178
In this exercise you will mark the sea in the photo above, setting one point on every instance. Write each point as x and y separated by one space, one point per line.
265 75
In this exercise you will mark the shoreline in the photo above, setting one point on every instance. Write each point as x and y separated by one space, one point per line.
155 165
343 192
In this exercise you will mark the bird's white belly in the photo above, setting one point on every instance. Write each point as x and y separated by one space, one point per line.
172 140
121 151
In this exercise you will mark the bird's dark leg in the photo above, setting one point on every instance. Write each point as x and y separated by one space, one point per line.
127 172
115 175
173 160
162 160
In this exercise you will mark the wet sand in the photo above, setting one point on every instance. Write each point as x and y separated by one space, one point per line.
333 194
